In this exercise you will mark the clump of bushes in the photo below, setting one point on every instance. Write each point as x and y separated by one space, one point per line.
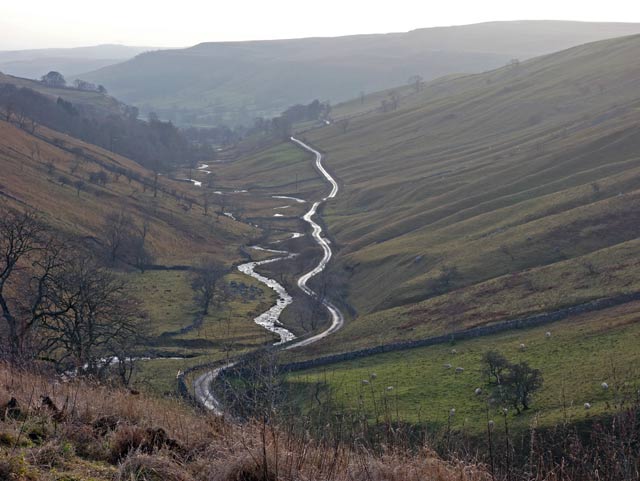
514 383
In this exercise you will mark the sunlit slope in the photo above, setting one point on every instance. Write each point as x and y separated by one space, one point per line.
483 176
40 173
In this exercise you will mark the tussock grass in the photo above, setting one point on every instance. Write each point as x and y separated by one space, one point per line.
193 446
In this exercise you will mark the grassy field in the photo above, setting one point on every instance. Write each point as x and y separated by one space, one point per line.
275 169
581 353
227 330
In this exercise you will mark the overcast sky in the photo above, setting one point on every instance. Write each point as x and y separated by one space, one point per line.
71 23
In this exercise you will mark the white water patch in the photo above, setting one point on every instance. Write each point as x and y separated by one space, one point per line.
278 215
195 182
294 235
203 167
112 361
264 249
296 199
281 207
230 215
270 319
219 192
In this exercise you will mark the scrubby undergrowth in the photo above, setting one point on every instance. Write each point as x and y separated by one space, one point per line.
50 430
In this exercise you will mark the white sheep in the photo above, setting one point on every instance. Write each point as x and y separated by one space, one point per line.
522 346
373 375
452 412
447 366
454 351
605 386
491 424
459 370
587 406
547 334
389 388
478 391
365 381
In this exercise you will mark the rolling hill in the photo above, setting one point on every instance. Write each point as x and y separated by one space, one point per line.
236 82
68 61
487 197
96 102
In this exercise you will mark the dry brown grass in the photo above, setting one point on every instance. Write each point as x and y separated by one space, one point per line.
163 439
32 169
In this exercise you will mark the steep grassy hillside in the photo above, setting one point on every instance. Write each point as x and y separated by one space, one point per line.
236 82
488 196
40 172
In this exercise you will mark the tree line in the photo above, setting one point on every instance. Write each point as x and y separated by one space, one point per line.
57 80
280 127
154 144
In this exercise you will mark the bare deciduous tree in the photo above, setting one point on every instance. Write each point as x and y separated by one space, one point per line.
204 281
495 365
100 323
417 82
30 258
117 232
79 185
142 256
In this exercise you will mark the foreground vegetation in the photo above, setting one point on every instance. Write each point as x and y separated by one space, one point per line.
79 431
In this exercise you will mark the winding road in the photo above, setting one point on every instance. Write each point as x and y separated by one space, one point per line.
203 384
337 319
